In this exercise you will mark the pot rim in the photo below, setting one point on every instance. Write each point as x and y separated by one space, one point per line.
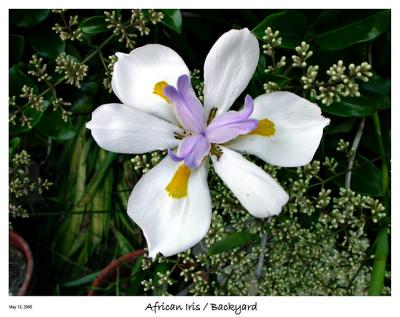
18 242
111 267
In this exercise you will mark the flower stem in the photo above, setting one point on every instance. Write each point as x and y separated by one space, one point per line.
384 168
263 244
354 148
378 269
382 244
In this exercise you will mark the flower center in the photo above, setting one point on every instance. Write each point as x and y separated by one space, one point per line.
217 129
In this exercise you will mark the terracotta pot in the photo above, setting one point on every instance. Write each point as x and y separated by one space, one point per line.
110 270
18 242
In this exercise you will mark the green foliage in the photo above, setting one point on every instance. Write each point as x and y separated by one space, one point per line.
28 17
46 43
232 241
358 31
292 32
352 107
17 44
173 19
330 239
94 25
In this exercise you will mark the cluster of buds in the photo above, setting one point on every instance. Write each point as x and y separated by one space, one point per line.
141 18
272 40
59 103
14 110
109 70
21 185
344 146
198 83
120 29
74 72
303 54
362 72
271 86
281 63
138 22
69 30
331 164
351 208
341 82
309 78
37 69
35 101
145 162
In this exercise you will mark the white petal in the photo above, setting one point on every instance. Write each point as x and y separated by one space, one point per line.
136 73
171 225
258 192
124 129
228 68
299 126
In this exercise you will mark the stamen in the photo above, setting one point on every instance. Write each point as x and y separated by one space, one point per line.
178 186
159 90
216 150
265 128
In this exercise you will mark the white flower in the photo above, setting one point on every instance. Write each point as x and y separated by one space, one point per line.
159 110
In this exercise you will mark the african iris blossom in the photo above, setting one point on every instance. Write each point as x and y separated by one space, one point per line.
160 111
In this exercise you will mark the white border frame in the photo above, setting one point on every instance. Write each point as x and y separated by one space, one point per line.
134 306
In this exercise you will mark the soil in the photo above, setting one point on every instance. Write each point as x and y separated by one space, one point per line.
17 270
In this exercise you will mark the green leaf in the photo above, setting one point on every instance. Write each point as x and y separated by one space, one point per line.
366 179
291 25
173 19
82 105
351 107
17 79
280 80
343 125
54 127
17 43
370 139
377 85
380 102
28 17
90 88
82 280
46 42
231 241
14 143
363 30
135 284
122 242
96 179
94 25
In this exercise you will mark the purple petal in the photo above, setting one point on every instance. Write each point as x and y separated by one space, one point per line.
192 149
173 156
231 124
188 108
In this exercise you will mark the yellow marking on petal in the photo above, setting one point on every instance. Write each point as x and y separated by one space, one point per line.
265 128
178 186
159 90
